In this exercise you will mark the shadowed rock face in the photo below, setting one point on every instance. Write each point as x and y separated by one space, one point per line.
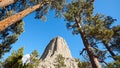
57 46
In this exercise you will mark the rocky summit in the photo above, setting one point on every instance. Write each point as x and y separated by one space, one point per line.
57 55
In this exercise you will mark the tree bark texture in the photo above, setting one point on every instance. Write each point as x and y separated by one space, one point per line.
92 57
4 3
13 19
110 51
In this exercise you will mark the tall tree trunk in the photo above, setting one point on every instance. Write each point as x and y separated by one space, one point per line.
93 58
4 3
110 51
13 19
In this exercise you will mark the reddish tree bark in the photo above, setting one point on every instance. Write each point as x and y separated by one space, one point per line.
4 3
94 60
13 19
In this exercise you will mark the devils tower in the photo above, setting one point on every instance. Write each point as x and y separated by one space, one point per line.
57 46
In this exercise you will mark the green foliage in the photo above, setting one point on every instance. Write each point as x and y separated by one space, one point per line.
114 64
77 60
78 11
96 28
10 36
117 62
20 5
110 65
115 42
34 60
83 64
59 60
78 8
99 28
35 53
15 59
56 5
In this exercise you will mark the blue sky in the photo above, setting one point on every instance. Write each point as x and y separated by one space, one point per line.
37 33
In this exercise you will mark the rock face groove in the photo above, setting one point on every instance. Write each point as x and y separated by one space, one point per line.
57 49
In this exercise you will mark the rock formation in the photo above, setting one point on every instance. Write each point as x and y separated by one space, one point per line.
57 49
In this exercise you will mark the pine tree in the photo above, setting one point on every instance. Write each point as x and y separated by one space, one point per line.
95 29
13 13
15 59
83 64
29 7
114 64
34 60
59 60
75 14
115 42
10 36
102 33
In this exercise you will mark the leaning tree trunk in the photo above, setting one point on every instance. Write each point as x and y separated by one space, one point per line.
4 3
110 51
13 19
94 60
